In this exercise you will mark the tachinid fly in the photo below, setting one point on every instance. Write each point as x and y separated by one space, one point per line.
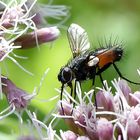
86 64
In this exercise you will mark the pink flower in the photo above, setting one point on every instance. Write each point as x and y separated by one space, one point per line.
43 12
104 129
68 135
116 116
105 100
16 96
39 36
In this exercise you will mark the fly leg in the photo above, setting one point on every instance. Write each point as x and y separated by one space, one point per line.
101 78
75 83
71 91
62 88
119 73
95 101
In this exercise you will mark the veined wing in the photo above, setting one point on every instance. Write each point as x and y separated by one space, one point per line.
78 39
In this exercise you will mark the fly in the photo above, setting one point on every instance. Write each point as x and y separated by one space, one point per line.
86 64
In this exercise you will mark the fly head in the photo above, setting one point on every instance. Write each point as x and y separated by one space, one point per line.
65 75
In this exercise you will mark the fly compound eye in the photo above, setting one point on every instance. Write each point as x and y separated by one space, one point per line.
65 75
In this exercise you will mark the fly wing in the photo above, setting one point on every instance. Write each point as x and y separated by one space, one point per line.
78 39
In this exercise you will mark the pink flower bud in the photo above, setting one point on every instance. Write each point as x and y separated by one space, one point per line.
104 129
133 130
68 135
105 100
10 15
38 19
126 90
40 36
14 95
133 100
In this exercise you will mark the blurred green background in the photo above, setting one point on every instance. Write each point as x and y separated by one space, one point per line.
101 19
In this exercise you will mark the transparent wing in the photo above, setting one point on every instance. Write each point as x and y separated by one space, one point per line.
78 39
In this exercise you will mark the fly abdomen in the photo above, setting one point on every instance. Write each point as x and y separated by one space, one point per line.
108 56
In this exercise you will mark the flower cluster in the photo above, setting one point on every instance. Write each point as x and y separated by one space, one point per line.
115 117
23 25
